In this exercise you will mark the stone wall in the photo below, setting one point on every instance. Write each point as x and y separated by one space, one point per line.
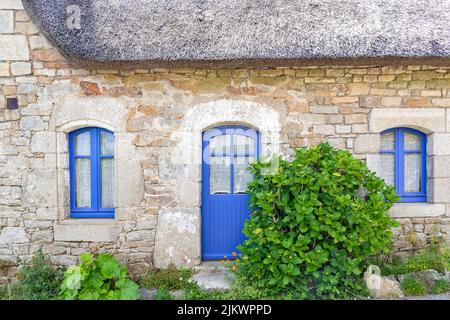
158 115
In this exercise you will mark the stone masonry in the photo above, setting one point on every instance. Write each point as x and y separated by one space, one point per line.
157 116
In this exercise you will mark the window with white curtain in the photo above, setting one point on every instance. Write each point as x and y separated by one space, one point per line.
403 162
91 164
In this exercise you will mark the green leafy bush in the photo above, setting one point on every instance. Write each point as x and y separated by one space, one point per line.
99 277
413 287
170 278
37 280
315 222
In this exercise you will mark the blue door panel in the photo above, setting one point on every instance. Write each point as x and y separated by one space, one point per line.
223 221
224 214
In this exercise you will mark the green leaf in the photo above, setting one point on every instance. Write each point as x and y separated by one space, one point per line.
88 294
110 267
86 257
129 290
72 278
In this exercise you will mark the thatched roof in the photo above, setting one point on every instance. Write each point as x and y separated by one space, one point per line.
247 32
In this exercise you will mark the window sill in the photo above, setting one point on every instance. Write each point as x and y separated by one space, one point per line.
88 230
417 210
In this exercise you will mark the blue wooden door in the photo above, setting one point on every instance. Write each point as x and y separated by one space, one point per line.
227 151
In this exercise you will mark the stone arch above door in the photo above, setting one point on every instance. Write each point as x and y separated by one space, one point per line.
178 234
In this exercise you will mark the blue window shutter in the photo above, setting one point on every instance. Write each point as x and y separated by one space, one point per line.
399 164
95 210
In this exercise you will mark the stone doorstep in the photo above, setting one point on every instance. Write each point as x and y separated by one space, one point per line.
209 266
220 280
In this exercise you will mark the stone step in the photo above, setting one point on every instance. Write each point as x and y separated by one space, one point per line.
219 280
209 266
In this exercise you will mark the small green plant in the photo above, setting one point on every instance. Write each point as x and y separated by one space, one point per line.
99 277
441 286
316 220
239 291
170 278
163 294
434 257
413 287
4 293
393 266
37 280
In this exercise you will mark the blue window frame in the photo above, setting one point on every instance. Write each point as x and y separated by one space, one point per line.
91 165
403 162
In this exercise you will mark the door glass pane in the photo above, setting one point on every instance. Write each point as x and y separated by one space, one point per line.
220 144
412 142
107 184
219 175
83 144
241 175
106 143
243 145
83 183
387 168
413 168
387 142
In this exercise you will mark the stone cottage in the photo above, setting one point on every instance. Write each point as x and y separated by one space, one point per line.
127 125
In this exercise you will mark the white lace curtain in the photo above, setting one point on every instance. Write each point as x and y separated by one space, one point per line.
83 170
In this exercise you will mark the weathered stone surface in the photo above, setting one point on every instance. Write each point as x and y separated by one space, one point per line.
43 142
367 143
39 189
412 210
32 123
20 68
4 70
147 294
110 111
6 21
39 42
13 235
86 232
26 88
177 237
356 89
430 119
14 47
141 235
11 4
90 88
130 177
64 260
438 144
381 287
213 280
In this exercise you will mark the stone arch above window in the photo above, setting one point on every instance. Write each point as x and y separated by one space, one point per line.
231 112
427 120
